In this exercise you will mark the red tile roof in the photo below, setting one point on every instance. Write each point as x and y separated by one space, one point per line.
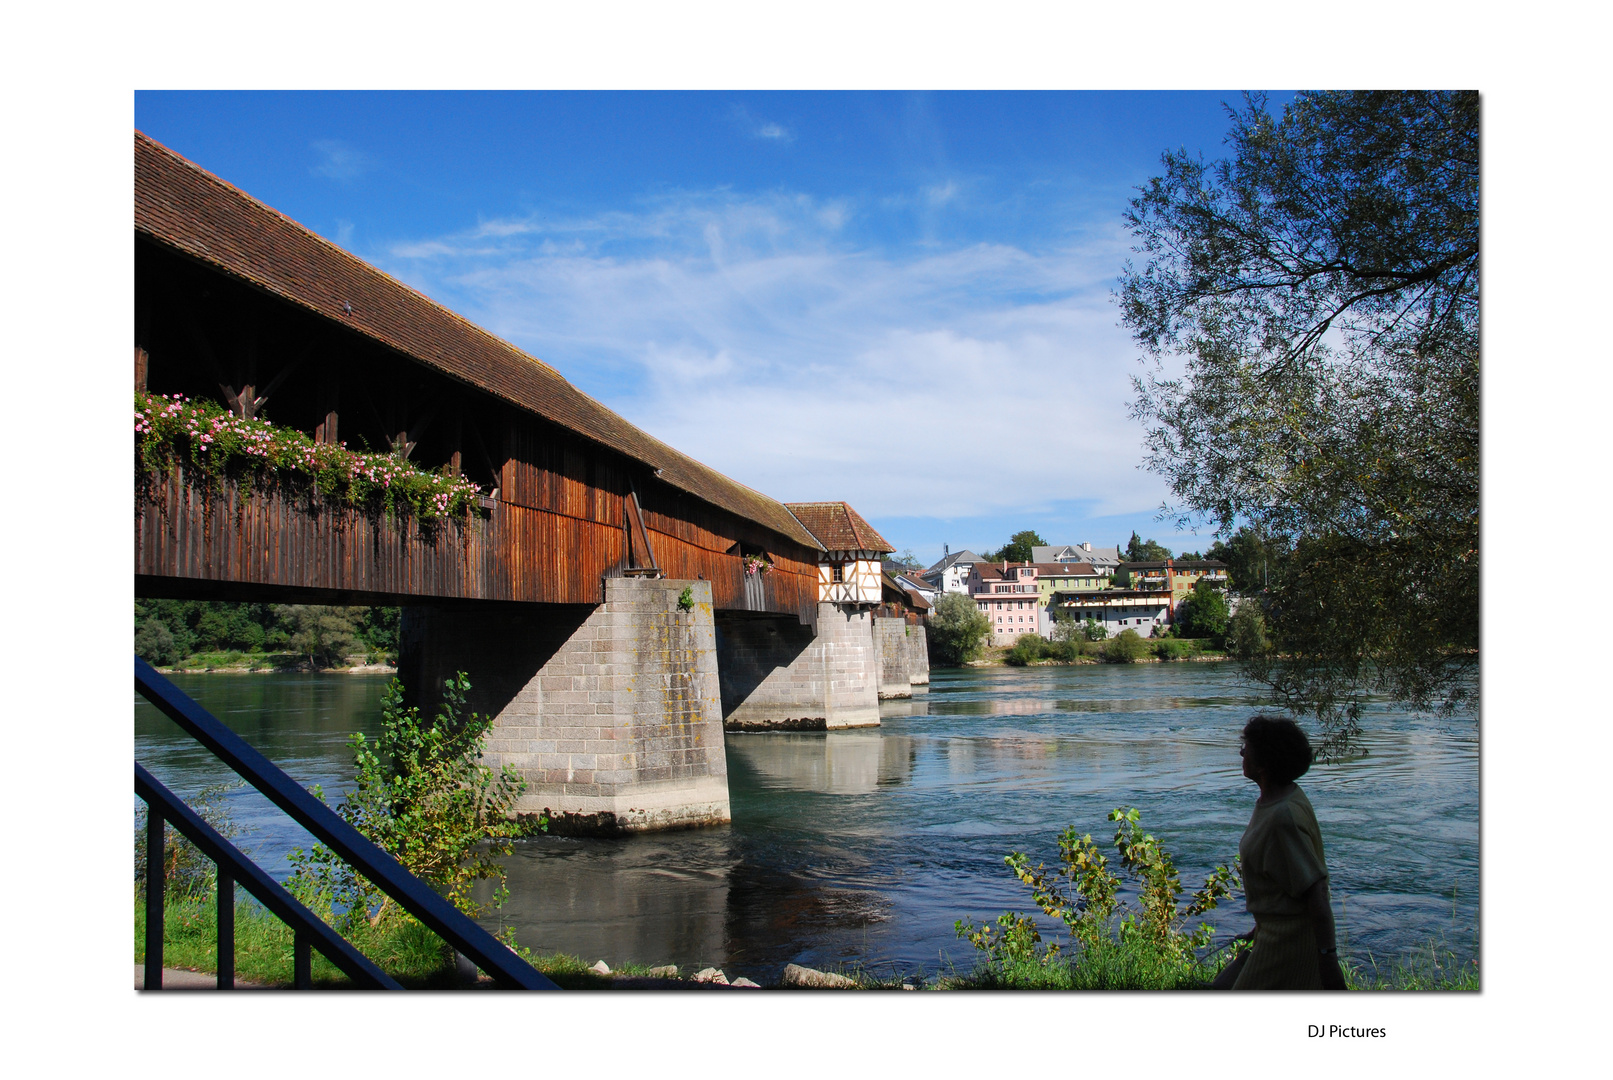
181 206
838 527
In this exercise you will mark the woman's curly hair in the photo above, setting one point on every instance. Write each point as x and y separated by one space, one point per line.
1278 744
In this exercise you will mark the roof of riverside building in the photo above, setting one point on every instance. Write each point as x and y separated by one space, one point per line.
838 527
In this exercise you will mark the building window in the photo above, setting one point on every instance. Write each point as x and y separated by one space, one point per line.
837 573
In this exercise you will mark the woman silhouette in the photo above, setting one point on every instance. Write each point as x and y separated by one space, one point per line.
1284 871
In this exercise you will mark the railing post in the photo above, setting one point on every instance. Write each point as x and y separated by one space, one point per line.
301 962
226 930
155 886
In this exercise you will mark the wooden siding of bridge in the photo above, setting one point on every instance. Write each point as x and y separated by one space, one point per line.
228 532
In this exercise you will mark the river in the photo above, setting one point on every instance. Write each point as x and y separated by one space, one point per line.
862 847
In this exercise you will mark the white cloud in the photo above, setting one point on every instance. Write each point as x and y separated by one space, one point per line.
757 128
338 161
750 333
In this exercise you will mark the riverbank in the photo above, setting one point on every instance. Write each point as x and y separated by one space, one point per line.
417 959
239 663
997 656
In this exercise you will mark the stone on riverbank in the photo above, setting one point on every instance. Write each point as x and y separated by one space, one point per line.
601 967
711 975
665 971
796 975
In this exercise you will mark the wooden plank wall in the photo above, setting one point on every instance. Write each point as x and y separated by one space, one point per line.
224 531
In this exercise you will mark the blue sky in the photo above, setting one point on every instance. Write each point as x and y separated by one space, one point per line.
898 299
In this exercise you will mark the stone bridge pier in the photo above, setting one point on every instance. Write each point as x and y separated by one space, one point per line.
611 712
904 660
778 675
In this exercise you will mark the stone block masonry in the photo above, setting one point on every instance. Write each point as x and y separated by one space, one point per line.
779 675
895 659
918 655
904 659
612 713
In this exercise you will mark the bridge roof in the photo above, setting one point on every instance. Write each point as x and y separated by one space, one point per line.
181 205
839 527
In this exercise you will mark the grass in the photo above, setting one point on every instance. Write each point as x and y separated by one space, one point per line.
404 949
1433 967
1113 966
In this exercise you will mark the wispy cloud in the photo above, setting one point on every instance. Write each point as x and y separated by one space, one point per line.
757 128
338 161
755 335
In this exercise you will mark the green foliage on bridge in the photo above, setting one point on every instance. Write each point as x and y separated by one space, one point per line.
205 437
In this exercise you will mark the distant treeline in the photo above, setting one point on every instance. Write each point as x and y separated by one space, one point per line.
170 631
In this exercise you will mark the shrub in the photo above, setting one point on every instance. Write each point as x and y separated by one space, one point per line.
1084 895
424 797
1067 651
957 629
1126 647
1093 630
1028 649
1174 649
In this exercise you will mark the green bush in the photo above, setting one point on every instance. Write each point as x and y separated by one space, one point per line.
1028 649
1174 649
424 797
1067 651
1126 647
1150 946
957 629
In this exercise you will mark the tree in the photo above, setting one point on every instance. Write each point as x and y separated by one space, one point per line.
1246 633
1140 550
1203 613
325 635
1321 288
1252 560
957 629
1018 548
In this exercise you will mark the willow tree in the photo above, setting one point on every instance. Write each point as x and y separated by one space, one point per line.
1310 310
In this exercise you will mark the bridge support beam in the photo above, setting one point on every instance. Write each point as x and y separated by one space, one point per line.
610 712
777 675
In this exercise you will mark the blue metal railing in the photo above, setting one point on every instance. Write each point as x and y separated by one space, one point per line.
412 894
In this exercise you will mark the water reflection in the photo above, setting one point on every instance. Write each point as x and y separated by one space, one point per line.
835 762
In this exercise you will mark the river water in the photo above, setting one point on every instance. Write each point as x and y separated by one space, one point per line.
862 847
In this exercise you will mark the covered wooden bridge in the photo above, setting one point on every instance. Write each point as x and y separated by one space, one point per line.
588 591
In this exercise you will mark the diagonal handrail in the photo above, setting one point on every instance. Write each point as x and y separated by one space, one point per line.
412 894
232 863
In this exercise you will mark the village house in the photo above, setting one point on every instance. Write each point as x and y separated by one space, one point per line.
1179 576
1010 599
1143 609
951 574
1103 559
